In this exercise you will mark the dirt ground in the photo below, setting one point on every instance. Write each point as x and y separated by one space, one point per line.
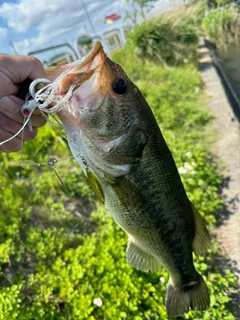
227 148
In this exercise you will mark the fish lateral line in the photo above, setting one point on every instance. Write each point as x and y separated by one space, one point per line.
131 197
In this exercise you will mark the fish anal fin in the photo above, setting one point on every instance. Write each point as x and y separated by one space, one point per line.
140 259
201 240
179 300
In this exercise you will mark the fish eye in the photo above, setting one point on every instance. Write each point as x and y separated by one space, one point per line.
119 86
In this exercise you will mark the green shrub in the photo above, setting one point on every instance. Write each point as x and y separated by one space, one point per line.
222 26
169 39
221 3
61 254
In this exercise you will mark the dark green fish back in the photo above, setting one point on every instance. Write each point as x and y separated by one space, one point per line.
132 171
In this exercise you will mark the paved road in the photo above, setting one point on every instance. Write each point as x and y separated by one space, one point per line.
227 148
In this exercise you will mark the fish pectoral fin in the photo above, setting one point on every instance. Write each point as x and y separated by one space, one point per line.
140 259
179 300
128 194
201 240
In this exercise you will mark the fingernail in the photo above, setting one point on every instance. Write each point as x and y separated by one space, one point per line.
8 105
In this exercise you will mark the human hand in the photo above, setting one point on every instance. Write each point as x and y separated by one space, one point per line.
13 71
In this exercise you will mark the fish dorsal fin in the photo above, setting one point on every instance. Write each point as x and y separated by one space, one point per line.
201 240
95 185
140 259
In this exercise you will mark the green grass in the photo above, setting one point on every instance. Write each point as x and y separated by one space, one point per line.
222 26
60 248
170 39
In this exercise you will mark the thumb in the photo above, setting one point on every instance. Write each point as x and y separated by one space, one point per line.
11 107
10 104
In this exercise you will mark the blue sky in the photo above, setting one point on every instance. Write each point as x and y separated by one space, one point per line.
35 24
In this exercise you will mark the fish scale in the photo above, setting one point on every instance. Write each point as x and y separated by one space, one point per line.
162 219
131 170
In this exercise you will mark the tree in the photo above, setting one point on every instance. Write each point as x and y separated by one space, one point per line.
211 4
139 7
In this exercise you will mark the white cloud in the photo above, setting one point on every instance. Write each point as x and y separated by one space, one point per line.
47 16
50 18
28 14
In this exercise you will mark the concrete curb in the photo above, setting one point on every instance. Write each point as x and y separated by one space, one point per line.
227 149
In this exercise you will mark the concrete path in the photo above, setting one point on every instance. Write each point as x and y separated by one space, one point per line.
227 149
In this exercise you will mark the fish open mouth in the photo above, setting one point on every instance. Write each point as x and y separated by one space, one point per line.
83 70
87 62
65 80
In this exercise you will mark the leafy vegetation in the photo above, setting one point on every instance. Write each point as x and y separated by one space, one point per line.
222 26
218 3
169 39
138 7
61 254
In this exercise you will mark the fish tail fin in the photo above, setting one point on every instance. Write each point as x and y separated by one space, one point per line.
179 300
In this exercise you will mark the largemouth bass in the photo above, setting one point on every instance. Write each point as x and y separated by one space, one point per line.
116 140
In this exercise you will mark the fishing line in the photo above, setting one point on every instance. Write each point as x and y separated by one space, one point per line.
45 99
22 136
51 164
27 109
54 161
55 171
49 102
47 95
20 130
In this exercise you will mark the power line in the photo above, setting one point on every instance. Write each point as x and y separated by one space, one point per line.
13 47
88 17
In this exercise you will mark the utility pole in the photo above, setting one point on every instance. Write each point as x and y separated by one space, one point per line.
13 47
88 17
